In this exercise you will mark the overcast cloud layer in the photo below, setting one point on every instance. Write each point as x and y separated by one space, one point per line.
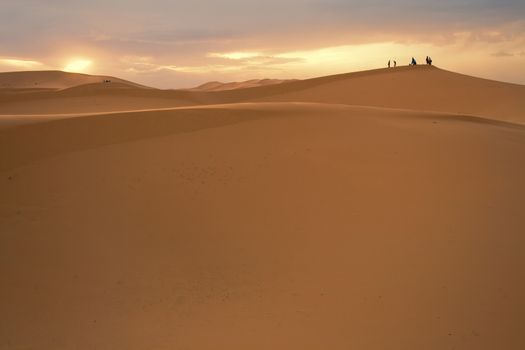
175 44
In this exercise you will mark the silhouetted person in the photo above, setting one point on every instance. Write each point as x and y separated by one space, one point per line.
388 63
429 61
395 64
413 63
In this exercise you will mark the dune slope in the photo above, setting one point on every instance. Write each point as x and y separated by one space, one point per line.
421 88
265 225
218 86
55 80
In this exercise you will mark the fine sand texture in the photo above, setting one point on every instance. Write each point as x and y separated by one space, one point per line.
265 218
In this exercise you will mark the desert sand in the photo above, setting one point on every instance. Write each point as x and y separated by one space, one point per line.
371 210
219 86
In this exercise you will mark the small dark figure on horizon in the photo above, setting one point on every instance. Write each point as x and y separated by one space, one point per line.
429 61
413 63
388 63
395 64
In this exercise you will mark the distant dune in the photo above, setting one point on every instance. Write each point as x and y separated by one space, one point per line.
55 80
369 210
218 86
419 88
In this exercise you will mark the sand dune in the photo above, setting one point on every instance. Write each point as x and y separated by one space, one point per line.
424 88
218 86
92 98
55 80
267 224
421 88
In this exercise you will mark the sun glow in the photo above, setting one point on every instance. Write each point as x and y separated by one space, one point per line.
78 66
22 64
235 55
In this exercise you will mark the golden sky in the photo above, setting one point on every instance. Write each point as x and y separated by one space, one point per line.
172 44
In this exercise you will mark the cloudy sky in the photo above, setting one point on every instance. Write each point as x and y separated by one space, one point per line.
172 43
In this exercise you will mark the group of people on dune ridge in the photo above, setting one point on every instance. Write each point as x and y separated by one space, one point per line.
412 62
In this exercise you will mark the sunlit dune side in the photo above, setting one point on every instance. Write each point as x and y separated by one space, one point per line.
423 88
53 80
369 210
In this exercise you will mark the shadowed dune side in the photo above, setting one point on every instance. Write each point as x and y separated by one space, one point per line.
308 226
27 138
93 98
25 143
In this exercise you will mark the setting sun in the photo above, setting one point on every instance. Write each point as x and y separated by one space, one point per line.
78 66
